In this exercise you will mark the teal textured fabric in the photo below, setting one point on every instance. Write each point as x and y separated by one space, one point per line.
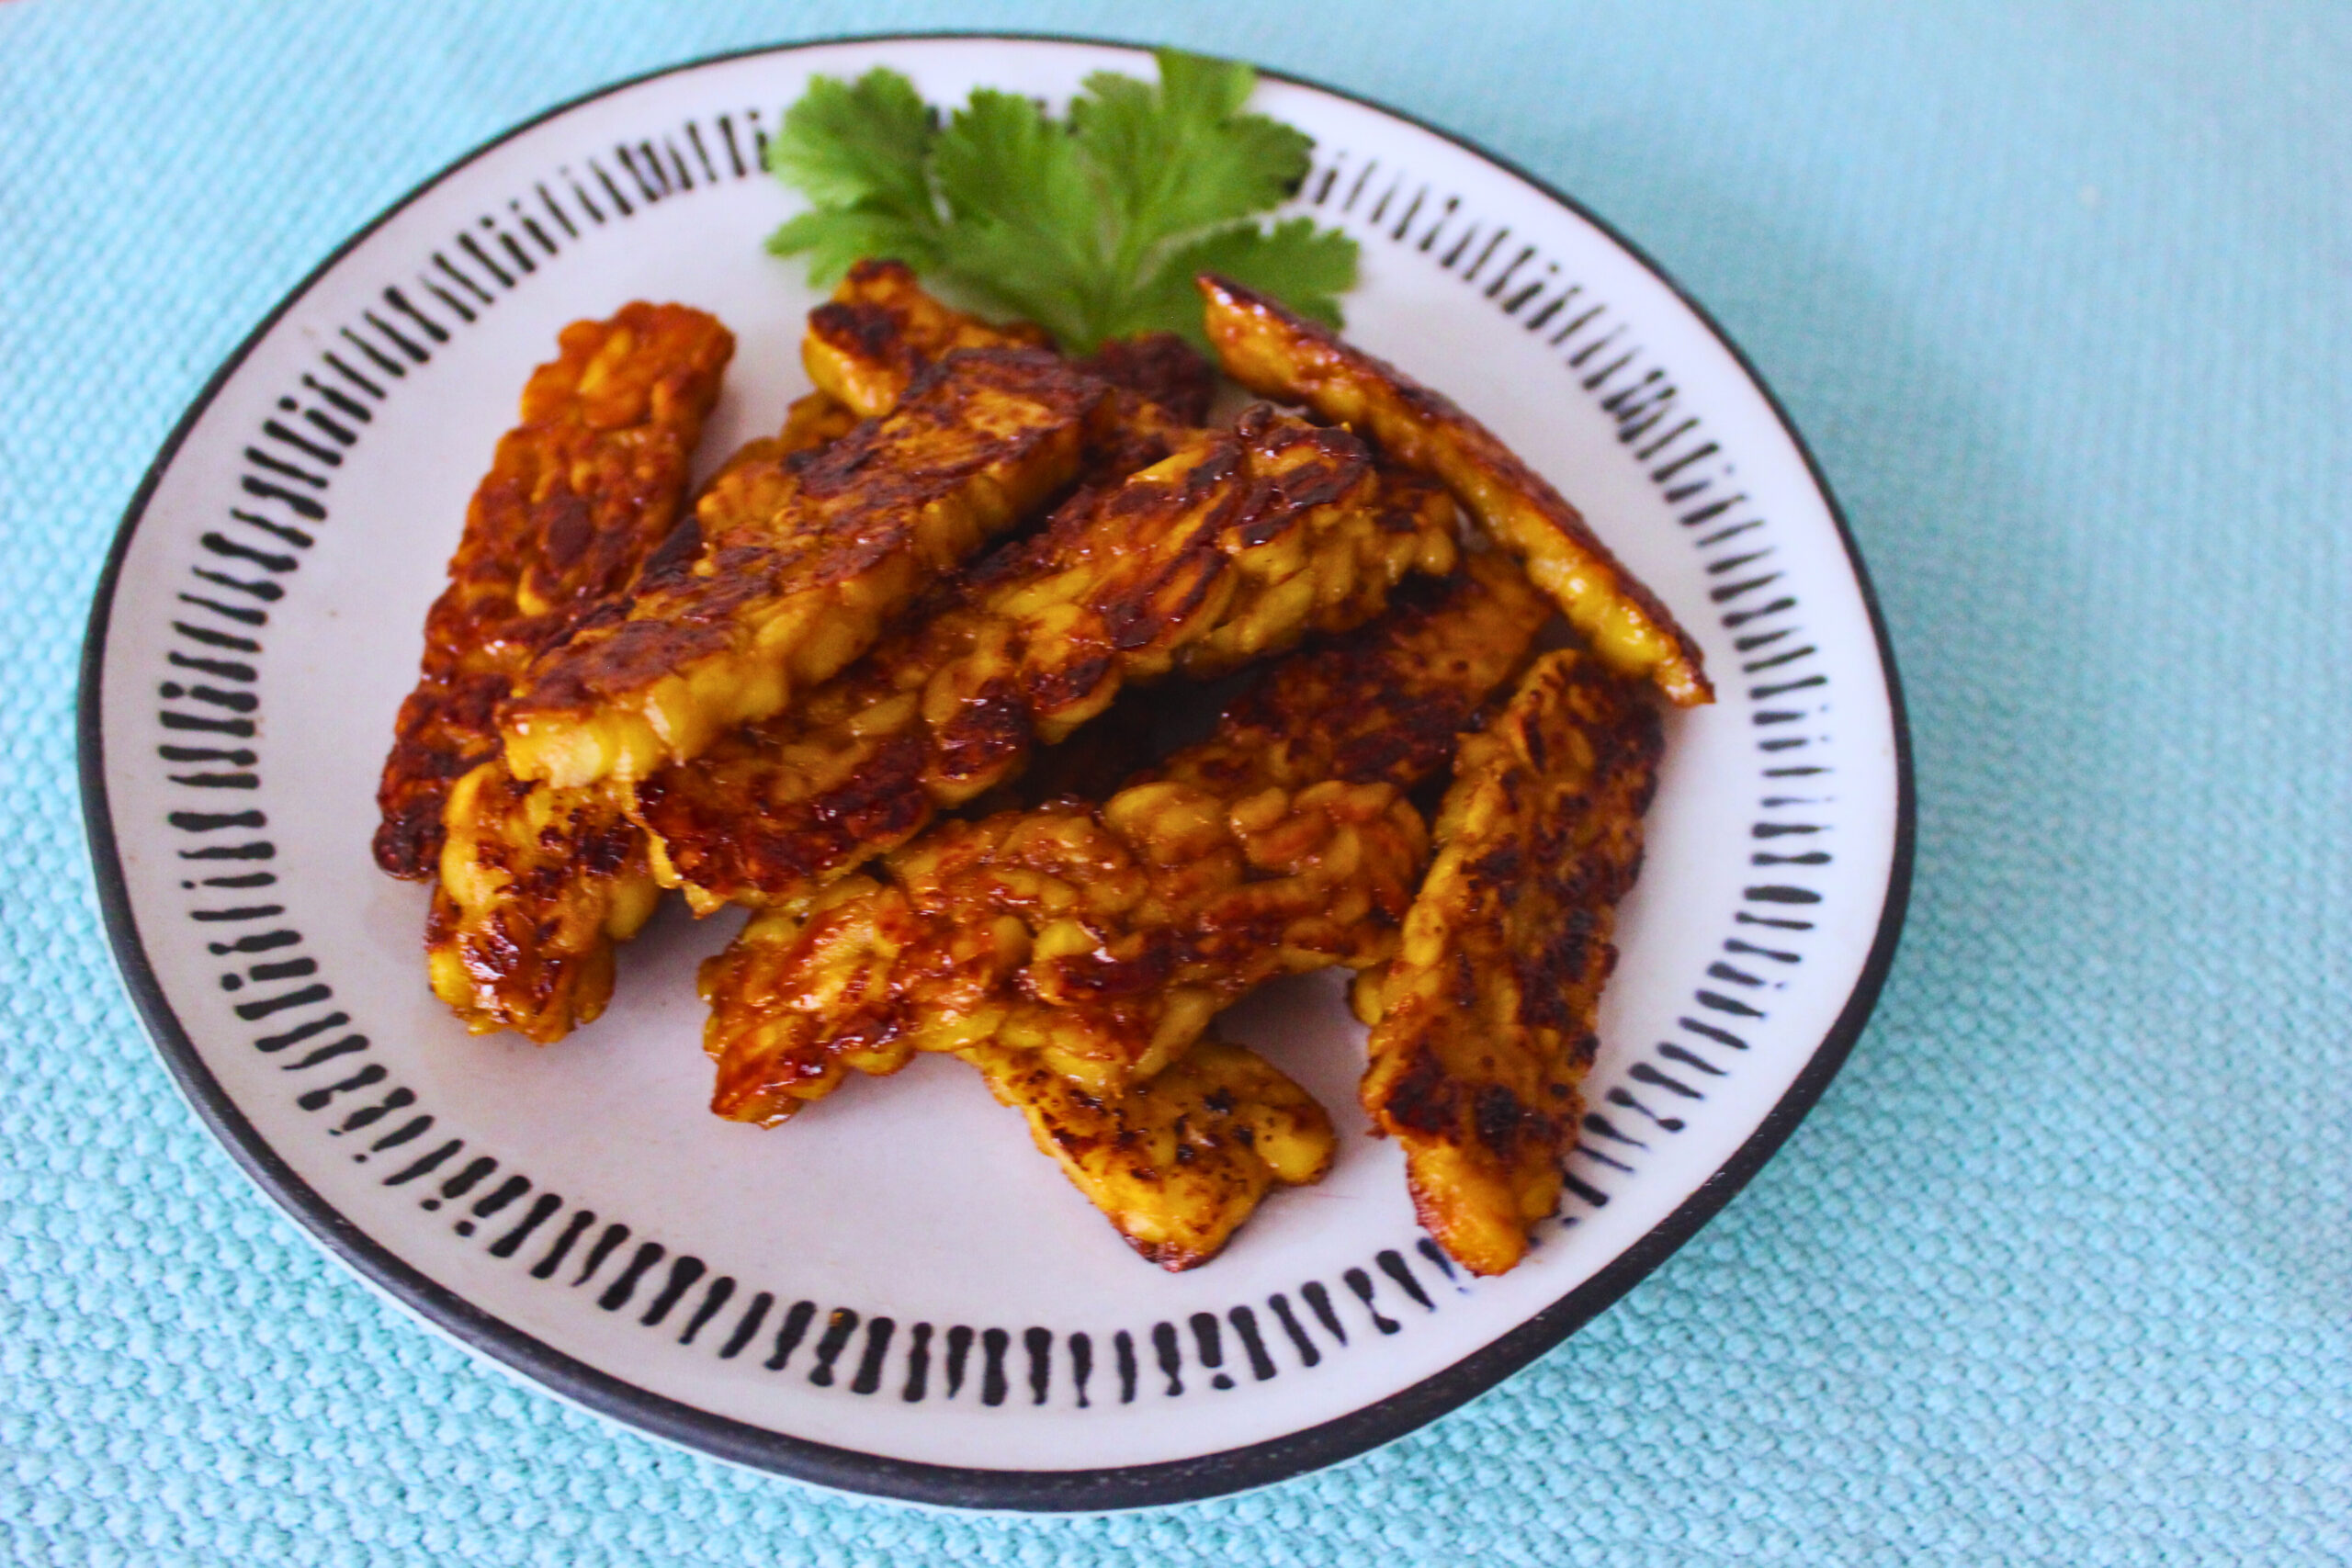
2057 1271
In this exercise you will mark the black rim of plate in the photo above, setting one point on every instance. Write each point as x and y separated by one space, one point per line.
1080 1491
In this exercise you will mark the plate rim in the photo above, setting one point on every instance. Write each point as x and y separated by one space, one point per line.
1158 1483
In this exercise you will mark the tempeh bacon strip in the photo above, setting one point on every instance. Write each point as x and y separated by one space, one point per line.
536 885
1482 1025
1106 938
867 345
536 882
1279 354
1234 548
803 560
1176 1163
578 494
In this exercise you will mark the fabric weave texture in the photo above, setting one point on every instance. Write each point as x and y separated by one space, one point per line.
2062 297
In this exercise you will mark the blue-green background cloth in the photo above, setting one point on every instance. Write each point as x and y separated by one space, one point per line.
2062 295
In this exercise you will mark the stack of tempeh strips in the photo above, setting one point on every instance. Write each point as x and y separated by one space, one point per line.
820 694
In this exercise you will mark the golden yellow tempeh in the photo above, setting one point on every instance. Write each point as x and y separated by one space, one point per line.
1178 1163
1234 549
536 885
1483 1024
880 330
867 345
1105 938
802 558
1278 355
578 494
536 882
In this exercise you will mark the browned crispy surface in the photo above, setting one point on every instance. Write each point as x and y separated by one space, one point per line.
802 560
868 343
1331 573
1386 703
1278 355
538 884
1106 938
579 492
1178 1163
880 330
1237 547
1484 1022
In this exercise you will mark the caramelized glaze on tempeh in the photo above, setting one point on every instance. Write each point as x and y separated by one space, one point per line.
1234 548
536 882
1176 1164
1482 1026
803 562
579 493
1106 938
1282 356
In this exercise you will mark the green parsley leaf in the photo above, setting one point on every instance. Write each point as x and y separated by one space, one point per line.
1295 261
1093 226
1022 212
859 145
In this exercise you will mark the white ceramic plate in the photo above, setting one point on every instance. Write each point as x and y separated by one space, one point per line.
895 1294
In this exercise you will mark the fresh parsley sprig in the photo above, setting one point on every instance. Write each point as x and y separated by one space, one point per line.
1093 226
